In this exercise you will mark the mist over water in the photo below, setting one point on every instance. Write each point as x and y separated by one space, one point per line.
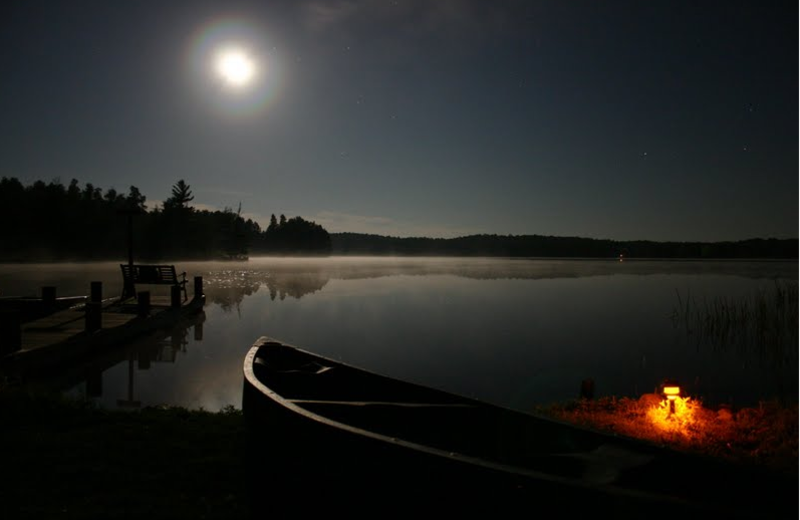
517 332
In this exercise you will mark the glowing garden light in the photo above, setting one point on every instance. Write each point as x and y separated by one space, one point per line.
674 413
671 391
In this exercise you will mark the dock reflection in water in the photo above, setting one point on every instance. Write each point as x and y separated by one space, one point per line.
165 346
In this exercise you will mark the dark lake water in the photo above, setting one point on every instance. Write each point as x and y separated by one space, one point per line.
517 332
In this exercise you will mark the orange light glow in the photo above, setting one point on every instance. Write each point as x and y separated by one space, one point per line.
676 415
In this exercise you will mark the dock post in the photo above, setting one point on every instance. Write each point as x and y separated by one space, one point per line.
10 332
96 291
198 286
94 307
198 331
94 316
49 295
94 384
175 296
143 303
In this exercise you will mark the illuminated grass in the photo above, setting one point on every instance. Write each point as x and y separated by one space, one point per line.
765 436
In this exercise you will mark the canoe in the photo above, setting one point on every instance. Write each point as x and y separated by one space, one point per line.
336 437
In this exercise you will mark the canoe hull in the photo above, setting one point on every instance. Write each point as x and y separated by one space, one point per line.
324 438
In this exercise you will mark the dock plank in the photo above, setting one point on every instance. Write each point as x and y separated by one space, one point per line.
62 336
71 323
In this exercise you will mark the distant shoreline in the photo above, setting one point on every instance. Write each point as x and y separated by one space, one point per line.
539 246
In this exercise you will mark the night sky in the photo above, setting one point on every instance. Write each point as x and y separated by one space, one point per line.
661 120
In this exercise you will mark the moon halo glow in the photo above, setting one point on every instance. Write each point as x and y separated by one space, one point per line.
233 67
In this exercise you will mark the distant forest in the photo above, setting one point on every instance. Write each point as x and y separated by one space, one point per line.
53 222
564 247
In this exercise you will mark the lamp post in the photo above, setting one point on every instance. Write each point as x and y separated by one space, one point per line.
128 290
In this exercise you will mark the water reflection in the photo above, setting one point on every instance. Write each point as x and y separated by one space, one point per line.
228 288
86 379
165 350
517 332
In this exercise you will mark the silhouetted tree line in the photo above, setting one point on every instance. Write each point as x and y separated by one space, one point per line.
50 221
565 247
53 222
294 235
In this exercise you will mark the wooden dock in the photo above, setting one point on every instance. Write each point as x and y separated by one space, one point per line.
74 334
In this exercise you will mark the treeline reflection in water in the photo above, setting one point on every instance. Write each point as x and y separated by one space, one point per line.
518 332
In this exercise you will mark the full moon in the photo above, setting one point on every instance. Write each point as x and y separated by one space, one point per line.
235 67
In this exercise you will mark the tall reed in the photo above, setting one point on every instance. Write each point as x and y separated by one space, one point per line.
763 323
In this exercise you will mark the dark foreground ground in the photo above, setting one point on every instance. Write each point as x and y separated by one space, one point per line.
68 460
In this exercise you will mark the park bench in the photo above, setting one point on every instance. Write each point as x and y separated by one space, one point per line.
138 274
